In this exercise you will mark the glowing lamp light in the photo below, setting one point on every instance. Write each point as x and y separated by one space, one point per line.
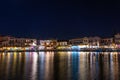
41 47
75 48
82 46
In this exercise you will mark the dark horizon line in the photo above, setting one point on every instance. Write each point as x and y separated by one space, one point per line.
47 38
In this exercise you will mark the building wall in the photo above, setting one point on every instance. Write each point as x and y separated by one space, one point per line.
106 43
90 42
62 43
48 44
16 42
94 42
78 41
117 38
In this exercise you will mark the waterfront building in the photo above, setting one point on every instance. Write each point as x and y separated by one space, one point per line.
48 44
94 42
76 41
9 42
79 43
117 40
13 43
106 43
86 42
63 44
1 38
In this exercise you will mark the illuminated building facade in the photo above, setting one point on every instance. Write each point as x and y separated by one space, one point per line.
8 41
117 40
77 41
48 44
77 44
86 42
63 44
106 43
94 42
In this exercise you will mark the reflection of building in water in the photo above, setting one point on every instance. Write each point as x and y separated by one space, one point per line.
45 65
93 65
69 68
114 66
14 60
41 65
62 67
106 65
82 66
34 66
75 65
49 65
7 66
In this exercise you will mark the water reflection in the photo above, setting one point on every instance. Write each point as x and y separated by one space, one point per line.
60 66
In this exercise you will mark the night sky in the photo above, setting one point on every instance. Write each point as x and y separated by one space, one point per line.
59 19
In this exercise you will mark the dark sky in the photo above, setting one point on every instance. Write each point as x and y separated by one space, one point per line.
62 19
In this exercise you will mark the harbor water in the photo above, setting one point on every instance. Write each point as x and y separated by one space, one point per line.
60 65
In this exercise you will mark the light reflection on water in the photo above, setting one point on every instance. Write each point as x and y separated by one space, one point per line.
60 66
